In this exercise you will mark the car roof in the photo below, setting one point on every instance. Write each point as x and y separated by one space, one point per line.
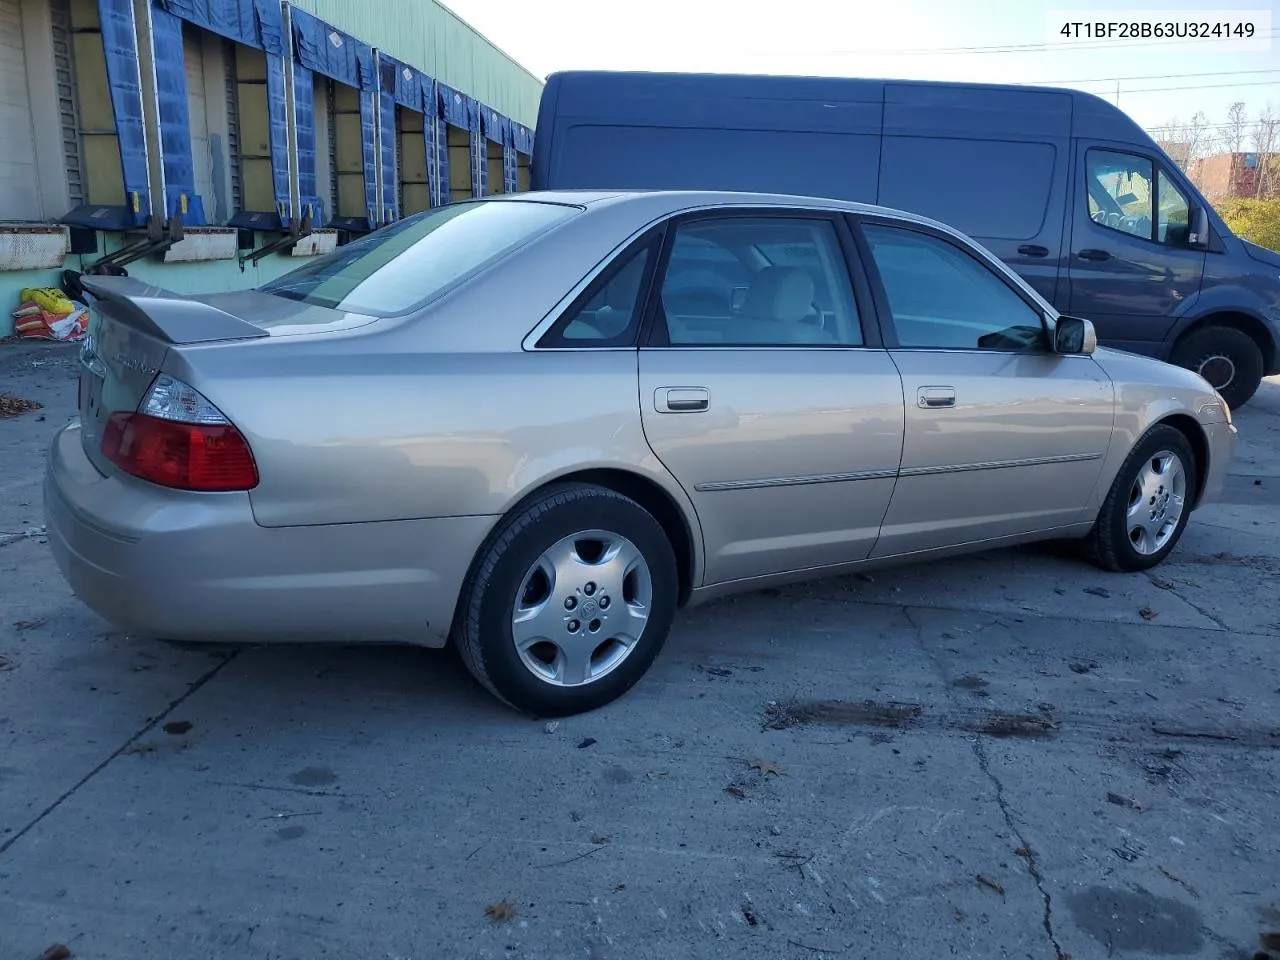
677 200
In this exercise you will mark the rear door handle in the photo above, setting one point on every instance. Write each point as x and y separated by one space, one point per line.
1033 250
681 399
933 398
1091 254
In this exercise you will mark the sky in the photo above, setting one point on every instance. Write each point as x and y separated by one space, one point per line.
900 39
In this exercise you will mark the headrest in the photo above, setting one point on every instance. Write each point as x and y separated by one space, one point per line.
784 294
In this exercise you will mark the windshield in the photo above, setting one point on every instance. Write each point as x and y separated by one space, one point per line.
400 267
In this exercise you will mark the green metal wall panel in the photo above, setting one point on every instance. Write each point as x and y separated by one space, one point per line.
432 38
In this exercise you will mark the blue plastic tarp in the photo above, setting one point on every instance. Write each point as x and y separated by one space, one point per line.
278 127
410 87
180 199
455 108
120 45
387 130
255 23
522 139
332 53
304 114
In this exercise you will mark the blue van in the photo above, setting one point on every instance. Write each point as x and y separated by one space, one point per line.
1060 184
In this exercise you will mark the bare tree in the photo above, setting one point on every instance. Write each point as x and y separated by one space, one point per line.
1266 139
1237 122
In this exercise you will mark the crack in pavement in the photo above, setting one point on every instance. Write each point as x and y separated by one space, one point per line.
147 728
1190 603
980 752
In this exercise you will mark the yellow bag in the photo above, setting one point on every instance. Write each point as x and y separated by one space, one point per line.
50 299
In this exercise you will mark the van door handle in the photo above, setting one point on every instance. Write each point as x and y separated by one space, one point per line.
933 398
1091 254
681 399
1033 250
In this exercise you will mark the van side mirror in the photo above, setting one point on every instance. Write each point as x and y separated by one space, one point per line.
1073 335
1198 235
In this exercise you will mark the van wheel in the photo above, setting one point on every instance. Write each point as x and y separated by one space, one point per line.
570 602
1148 505
1228 358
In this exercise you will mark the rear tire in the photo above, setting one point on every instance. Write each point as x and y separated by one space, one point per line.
1147 508
587 580
1228 358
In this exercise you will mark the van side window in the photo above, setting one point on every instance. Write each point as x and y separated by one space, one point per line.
758 281
1121 191
943 298
1173 226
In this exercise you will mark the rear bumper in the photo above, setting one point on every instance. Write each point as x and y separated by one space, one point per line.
1221 439
185 566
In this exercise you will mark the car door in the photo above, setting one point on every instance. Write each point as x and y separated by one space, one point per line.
1003 436
1130 270
774 410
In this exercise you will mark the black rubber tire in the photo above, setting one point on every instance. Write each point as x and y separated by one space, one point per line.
1108 543
482 632
1238 346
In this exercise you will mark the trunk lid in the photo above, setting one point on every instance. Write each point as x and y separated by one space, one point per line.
133 327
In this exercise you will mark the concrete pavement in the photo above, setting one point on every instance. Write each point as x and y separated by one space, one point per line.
1009 755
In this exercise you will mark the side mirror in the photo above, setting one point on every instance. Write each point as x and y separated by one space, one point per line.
1198 236
1072 335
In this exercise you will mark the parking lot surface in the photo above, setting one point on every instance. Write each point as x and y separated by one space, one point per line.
1008 755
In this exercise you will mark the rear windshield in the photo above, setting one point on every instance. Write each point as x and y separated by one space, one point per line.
400 267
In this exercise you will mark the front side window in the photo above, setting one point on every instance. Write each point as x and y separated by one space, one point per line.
1121 192
759 281
400 267
943 298
1173 226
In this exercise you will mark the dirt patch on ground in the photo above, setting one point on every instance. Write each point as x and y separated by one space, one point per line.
838 713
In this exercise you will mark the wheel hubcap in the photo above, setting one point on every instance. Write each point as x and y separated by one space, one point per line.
1156 502
582 608
1219 370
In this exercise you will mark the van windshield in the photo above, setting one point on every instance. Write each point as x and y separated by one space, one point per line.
399 268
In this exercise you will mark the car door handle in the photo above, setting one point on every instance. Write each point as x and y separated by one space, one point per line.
681 399
1091 254
933 398
1033 250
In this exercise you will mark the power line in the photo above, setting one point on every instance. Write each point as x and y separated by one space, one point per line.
1204 86
1161 76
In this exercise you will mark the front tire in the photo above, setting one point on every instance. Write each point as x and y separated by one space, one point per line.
1227 358
1149 503
570 601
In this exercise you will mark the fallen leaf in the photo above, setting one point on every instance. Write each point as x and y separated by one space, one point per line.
587 742
58 951
598 838
959 915
764 766
1146 613
736 792
619 888
11 406
552 726
28 624
1023 852
1098 591
500 912
1162 583
985 881
658 775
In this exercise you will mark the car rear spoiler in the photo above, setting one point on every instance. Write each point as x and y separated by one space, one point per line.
165 315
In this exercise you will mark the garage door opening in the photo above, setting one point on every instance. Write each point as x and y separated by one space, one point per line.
415 187
347 158
458 140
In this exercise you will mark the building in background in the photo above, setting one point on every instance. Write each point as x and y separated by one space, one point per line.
1227 176
1179 152
205 145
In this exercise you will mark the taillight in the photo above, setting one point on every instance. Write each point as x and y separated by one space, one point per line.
179 439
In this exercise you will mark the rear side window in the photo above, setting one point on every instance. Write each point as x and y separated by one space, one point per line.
400 267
